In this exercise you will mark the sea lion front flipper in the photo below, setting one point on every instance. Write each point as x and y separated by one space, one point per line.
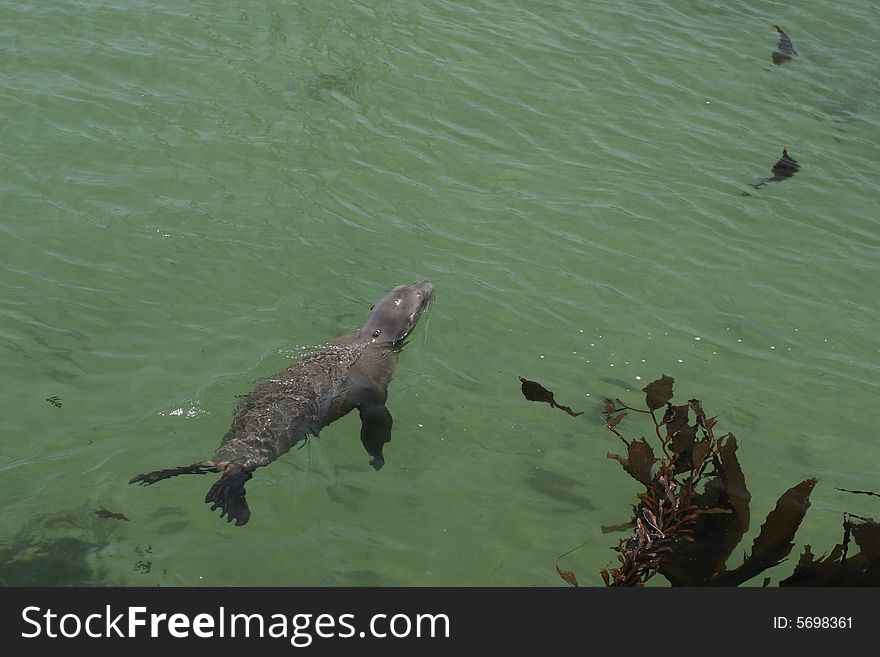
228 495
376 424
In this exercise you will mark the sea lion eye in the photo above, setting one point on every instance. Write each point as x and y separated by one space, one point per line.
376 333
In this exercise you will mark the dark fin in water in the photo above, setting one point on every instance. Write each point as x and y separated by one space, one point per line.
786 166
228 495
784 50
158 475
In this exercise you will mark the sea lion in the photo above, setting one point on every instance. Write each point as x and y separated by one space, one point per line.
352 371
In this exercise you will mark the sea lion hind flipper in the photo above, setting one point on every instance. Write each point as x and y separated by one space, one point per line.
376 424
228 495
148 478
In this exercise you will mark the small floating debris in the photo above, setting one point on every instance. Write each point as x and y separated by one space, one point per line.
784 50
56 401
143 567
858 492
534 391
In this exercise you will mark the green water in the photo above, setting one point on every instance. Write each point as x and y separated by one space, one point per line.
193 194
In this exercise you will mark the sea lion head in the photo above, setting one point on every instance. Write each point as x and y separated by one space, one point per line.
394 317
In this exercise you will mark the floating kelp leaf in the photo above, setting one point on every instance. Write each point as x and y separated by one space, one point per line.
638 462
104 513
724 518
730 487
809 571
615 420
682 434
808 559
832 570
611 420
867 537
55 401
784 50
568 576
684 438
860 569
734 482
700 452
675 419
641 461
659 392
683 447
773 544
534 391
697 407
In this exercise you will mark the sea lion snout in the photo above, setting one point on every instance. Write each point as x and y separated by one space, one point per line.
396 315
424 287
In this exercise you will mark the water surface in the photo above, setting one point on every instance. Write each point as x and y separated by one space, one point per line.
194 194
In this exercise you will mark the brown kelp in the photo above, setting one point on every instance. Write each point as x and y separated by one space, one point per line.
694 509
839 568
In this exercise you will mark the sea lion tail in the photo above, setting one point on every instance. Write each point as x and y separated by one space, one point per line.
158 475
228 495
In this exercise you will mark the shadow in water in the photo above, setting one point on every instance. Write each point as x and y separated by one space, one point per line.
67 548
